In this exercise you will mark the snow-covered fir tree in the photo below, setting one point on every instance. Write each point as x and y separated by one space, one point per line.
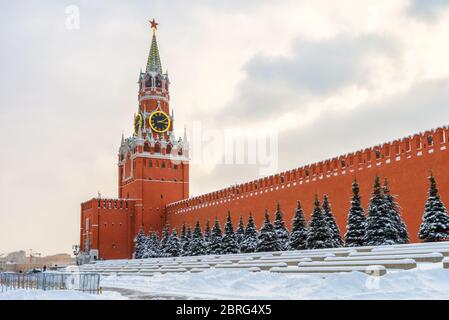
267 238
183 238
356 223
139 244
173 245
240 232
196 245
164 239
395 212
229 243
319 234
207 237
249 242
298 235
380 227
435 224
186 244
282 234
330 218
216 239
153 246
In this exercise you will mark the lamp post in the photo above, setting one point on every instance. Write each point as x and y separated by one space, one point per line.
76 251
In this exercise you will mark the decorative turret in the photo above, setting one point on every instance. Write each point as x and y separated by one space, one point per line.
185 143
139 140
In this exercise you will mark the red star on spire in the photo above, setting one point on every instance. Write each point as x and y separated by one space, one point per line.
154 24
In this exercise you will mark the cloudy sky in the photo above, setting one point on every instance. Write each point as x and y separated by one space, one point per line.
330 76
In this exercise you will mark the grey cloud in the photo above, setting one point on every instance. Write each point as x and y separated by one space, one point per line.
315 68
427 9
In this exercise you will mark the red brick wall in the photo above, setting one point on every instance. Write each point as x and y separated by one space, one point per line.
111 228
406 163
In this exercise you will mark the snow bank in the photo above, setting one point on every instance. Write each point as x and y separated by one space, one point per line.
420 283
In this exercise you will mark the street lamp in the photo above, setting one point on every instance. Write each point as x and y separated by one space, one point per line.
76 249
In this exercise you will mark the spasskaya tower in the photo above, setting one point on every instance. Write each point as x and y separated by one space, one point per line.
153 170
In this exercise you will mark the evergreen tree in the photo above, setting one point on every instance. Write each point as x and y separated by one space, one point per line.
207 237
298 235
356 223
157 247
267 238
183 239
229 243
249 242
395 212
380 227
319 234
435 224
153 247
164 239
216 238
173 245
240 233
196 245
330 219
283 237
186 245
139 245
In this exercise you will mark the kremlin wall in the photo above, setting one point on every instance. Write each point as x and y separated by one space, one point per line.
153 179
406 163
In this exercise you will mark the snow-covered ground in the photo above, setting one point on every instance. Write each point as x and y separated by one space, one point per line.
22 294
428 281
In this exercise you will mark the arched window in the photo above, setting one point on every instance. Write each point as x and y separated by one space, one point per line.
169 147
148 83
158 82
146 147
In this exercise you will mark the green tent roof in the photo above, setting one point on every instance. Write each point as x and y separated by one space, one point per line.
154 61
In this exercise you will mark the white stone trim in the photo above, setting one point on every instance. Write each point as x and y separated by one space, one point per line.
155 97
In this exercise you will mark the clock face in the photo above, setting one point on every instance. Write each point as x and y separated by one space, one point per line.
138 122
159 121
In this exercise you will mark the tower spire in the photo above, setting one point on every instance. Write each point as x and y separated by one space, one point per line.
154 60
